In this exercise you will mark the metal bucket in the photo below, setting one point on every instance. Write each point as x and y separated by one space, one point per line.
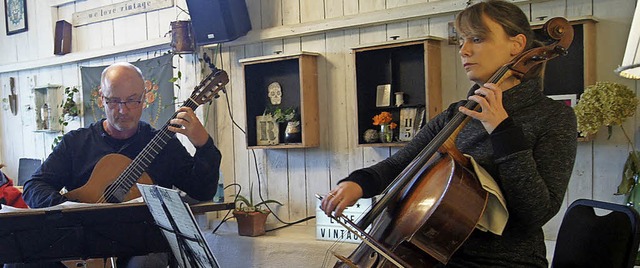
182 37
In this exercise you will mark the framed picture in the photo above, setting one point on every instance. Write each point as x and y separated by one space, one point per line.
568 99
383 95
15 16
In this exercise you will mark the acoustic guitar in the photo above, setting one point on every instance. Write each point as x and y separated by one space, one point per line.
114 177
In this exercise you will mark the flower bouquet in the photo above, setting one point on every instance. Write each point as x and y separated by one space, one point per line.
384 120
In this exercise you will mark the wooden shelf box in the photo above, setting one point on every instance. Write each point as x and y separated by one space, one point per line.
297 75
409 66
47 101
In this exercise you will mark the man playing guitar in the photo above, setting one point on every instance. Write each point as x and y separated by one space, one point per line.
88 156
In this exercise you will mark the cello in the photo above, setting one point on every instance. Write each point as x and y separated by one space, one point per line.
419 221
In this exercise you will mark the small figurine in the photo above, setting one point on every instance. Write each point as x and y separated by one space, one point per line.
45 113
275 93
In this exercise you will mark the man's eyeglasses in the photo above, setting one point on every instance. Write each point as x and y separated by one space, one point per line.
130 104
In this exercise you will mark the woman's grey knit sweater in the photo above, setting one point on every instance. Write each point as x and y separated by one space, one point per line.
531 157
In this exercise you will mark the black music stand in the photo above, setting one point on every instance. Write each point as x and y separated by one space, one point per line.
79 233
179 227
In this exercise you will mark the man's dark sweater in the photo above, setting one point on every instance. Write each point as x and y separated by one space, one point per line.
71 163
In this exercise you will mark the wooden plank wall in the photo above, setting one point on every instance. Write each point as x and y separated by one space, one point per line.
293 176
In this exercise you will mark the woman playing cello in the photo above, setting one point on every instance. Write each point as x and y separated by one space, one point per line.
526 141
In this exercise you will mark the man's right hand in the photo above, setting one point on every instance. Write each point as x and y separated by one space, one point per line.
344 195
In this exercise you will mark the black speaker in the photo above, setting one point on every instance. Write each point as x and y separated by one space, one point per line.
217 21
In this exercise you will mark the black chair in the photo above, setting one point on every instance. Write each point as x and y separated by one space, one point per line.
589 240
26 167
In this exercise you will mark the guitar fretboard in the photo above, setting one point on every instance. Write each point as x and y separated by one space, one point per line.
132 173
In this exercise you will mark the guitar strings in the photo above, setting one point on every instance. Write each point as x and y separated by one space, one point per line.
128 177
122 148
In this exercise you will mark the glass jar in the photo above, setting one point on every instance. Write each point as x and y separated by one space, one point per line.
386 133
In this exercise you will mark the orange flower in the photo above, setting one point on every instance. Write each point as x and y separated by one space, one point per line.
382 118
393 125
148 85
150 97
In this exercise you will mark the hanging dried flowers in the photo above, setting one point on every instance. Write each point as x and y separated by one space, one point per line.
609 104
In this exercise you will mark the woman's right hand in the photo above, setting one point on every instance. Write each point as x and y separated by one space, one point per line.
344 195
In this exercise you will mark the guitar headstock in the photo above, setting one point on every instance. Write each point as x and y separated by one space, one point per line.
209 87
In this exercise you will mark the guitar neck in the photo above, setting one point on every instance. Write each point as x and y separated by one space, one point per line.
139 164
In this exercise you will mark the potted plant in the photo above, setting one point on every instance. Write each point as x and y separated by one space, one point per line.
70 110
251 217
289 124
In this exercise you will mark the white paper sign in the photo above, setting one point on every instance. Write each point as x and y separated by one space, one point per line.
328 229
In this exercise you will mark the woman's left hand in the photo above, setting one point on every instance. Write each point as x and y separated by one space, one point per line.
191 126
489 97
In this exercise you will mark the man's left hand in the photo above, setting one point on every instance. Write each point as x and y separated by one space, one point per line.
489 97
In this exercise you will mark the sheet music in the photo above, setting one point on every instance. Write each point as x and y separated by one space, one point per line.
155 196
62 206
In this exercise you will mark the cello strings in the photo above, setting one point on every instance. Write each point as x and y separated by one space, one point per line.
334 245
378 249
332 250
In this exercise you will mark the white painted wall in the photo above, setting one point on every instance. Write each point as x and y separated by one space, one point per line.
294 175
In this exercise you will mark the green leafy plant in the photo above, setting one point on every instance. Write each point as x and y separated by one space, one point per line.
246 205
69 106
70 109
282 115
175 80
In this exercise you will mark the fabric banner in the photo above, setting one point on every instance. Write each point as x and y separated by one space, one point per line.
158 102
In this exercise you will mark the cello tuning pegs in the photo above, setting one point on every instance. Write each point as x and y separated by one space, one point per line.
561 50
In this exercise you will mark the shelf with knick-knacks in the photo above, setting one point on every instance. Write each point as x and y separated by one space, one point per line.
281 101
398 88
47 98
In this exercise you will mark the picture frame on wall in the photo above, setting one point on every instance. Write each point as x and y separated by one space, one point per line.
15 16
568 99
